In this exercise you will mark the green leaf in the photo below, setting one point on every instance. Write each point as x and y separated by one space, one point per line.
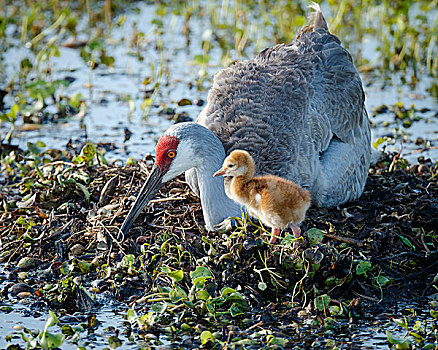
87 154
107 60
322 302
417 336
363 267
382 280
76 100
51 321
202 295
30 340
271 340
184 102
189 304
379 141
66 268
147 102
131 315
206 336
200 271
102 158
335 310
245 342
159 308
81 176
185 327
176 276
406 241
33 148
177 294
200 276
50 340
402 343
84 191
315 236
84 266
202 59
114 342
234 296
147 320
235 310
262 286
67 330
226 291
127 261
95 45
11 116
329 322
418 326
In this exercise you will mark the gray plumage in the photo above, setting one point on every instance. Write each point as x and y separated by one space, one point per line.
298 109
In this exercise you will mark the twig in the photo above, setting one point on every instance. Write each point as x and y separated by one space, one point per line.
419 273
424 243
168 199
58 232
411 254
344 239
374 300
177 230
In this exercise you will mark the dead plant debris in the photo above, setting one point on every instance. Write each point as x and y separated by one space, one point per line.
59 223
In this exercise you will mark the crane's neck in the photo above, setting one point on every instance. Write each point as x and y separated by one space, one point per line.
216 206
200 148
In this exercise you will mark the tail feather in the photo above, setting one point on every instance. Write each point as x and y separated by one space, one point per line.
316 17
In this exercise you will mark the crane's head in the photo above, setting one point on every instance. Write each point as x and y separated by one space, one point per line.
174 154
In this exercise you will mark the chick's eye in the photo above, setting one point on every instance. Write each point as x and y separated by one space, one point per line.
230 165
171 154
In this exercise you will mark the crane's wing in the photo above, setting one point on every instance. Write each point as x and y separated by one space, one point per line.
289 103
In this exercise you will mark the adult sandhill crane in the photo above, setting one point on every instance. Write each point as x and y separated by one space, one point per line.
298 109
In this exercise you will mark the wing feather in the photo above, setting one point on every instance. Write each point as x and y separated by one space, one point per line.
288 103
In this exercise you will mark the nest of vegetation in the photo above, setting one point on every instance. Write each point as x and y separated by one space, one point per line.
59 223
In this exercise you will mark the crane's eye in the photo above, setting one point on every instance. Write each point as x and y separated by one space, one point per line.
171 154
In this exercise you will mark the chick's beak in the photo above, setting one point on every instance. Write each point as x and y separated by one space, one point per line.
220 172
147 192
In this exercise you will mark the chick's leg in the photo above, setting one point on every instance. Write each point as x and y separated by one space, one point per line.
296 232
275 233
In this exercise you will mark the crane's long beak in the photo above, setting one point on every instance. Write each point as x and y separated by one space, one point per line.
150 187
220 172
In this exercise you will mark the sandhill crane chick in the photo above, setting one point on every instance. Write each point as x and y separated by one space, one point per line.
277 202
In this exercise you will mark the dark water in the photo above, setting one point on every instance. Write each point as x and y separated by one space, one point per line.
368 332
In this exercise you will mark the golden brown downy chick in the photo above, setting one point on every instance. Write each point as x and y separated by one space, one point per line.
277 202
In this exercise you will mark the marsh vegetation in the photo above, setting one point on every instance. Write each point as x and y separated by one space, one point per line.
86 89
